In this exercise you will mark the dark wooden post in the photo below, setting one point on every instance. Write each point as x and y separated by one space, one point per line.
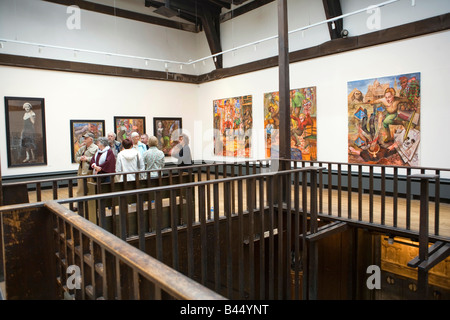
422 273
284 86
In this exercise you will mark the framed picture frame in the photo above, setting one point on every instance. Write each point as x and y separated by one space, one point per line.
124 126
25 131
163 129
79 127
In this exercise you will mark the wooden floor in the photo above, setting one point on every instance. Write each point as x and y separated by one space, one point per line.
444 216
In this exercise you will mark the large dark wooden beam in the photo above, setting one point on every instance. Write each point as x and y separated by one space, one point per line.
333 9
284 85
79 67
100 8
188 15
211 25
243 9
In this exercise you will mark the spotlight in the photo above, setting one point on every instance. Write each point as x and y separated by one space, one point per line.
344 33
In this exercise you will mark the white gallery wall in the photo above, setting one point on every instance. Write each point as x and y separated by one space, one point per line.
80 96
75 96
427 55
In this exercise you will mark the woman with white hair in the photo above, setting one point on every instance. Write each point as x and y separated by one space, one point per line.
104 160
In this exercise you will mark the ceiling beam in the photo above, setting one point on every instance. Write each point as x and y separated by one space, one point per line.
186 13
333 9
243 9
211 26
100 8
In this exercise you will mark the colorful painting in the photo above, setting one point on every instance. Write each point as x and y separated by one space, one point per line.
384 120
303 110
166 131
125 126
233 123
25 131
79 127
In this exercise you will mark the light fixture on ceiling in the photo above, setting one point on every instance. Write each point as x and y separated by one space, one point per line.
166 11
344 33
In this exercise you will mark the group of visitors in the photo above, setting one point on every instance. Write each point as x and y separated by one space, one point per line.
137 153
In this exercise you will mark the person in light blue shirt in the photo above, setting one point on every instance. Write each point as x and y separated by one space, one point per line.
137 144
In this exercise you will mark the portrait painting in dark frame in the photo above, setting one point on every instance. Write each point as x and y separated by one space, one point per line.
163 129
25 131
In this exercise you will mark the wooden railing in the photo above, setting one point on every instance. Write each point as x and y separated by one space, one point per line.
388 196
90 262
243 236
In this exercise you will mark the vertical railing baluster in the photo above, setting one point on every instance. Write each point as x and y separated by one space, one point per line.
229 237
280 235
202 212
140 220
55 189
208 192
262 256
349 191
123 213
395 197
251 233
408 200
240 248
371 194
296 235
70 192
288 246
271 263
216 237
383 195
190 237
320 189
330 189
360 192
437 201
339 190
38 192
174 224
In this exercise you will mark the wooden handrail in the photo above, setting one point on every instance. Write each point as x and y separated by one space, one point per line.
164 277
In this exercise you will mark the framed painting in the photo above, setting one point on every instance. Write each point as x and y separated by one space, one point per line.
233 123
384 120
165 130
125 126
25 131
79 127
303 124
